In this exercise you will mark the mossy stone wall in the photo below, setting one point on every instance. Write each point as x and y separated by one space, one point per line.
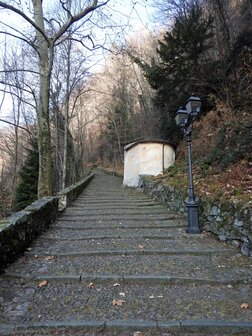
18 231
230 222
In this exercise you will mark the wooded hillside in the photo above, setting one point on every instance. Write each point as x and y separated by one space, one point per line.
81 118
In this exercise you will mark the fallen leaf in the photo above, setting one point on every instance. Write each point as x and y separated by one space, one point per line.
244 306
91 285
49 258
118 302
116 284
29 249
122 294
42 284
138 333
141 246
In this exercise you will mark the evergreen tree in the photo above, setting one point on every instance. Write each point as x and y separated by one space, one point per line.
26 191
4 201
179 71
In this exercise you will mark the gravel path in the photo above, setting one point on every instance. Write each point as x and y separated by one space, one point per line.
117 263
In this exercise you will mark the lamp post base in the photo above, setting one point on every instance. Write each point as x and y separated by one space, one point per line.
193 218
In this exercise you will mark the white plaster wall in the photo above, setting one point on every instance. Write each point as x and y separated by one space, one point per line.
150 159
169 156
146 159
131 167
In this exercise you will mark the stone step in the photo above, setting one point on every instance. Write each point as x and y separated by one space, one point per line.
104 243
213 267
123 220
115 201
144 211
166 234
64 302
120 226
164 280
173 284
134 232
128 252
119 218
129 327
90 207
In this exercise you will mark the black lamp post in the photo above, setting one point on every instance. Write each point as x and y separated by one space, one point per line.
184 119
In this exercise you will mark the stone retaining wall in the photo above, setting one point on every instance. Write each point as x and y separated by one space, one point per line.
69 194
19 230
230 222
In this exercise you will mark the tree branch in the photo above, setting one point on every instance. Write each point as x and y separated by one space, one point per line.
10 123
16 95
18 87
66 9
18 37
89 9
19 70
24 16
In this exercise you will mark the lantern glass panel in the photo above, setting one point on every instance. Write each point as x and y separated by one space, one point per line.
193 105
181 118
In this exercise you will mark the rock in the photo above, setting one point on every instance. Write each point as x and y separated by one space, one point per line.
23 306
245 250
222 237
214 211
159 188
238 223
236 243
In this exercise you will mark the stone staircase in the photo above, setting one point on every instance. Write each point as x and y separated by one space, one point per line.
118 263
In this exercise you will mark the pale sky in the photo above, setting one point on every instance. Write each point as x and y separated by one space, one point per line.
133 16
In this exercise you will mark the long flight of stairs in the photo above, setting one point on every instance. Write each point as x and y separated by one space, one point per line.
118 263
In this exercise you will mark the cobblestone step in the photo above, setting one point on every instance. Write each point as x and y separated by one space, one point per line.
102 225
147 302
128 252
213 267
115 201
131 249
166 232
93 207
109 244
144 211
124 217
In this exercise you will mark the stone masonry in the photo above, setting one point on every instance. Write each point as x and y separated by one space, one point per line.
230 222
116 262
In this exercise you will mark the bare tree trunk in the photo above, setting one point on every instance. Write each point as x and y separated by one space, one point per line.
66 126
44 46
44 135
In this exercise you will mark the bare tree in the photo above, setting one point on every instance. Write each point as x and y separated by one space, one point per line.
50 32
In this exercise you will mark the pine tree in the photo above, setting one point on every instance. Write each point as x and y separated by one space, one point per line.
26 191
180 70
4 201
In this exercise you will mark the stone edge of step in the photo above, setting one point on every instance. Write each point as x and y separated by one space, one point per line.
132 252
209 326
130 279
